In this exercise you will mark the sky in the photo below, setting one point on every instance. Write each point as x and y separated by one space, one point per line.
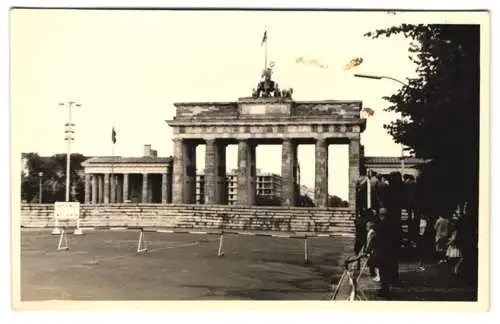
127 68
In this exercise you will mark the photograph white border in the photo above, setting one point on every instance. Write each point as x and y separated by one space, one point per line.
485 165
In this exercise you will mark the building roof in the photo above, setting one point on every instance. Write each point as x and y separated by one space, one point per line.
128 160
391 160
166 160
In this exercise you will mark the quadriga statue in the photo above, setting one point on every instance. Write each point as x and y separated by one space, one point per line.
268 88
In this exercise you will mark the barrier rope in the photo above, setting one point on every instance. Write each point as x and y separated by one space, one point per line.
143 247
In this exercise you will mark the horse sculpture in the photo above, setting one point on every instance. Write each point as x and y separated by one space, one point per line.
268 88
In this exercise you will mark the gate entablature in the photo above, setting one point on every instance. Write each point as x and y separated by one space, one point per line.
266 108
268 118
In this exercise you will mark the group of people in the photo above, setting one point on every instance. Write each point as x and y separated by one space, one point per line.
379 202
448 239
378 225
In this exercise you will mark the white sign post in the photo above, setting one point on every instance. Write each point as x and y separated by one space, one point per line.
67 211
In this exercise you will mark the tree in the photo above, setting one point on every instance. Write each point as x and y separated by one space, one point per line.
267 201
54 177
335 201
304 201
440 110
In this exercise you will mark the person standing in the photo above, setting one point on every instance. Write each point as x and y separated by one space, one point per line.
384 256
424 243
367 193
371 249
374 191
393 206
361 231
442 228
453 252
362 192
383 191
410 189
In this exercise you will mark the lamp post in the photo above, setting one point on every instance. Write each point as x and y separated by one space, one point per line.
40 191
380 77
69 136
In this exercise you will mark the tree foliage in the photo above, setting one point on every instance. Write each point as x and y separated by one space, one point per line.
440 111
53 178
267 201
335 201
304 201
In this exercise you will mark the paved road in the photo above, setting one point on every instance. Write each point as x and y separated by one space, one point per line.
104 265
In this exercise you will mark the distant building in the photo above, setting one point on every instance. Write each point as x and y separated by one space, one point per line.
200 188
268 185
116 179
387 164
148 179
232 187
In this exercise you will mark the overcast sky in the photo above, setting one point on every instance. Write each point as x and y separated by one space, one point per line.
127 68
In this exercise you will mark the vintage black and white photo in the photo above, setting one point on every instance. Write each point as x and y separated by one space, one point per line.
250 155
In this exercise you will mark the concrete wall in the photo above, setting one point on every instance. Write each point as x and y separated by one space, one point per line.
258 218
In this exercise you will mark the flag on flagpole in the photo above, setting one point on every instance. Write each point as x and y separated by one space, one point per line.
113 135
264 39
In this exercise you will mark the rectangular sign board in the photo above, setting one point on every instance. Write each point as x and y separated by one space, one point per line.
66 210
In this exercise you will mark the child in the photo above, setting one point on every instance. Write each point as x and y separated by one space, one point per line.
371 250
453 252
442 228
361 231
424 243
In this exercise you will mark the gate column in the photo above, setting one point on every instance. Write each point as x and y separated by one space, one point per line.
246 173
289 172
178 172
354 163
321 176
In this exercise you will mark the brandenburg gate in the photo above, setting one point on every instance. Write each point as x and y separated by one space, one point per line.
269 116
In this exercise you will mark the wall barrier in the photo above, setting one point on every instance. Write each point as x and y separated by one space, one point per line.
338 221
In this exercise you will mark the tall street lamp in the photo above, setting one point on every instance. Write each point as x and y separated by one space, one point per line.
69 136
40 190
380 77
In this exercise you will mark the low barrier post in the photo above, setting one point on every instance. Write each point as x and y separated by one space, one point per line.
306 257
56 230
142 239
63 237
220 253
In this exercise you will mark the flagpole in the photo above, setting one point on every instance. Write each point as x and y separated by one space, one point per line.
265 59
265 49
112 180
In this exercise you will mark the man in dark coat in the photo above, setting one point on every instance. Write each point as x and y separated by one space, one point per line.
393 206
410 189
361 194
367 188
383 191
385 252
